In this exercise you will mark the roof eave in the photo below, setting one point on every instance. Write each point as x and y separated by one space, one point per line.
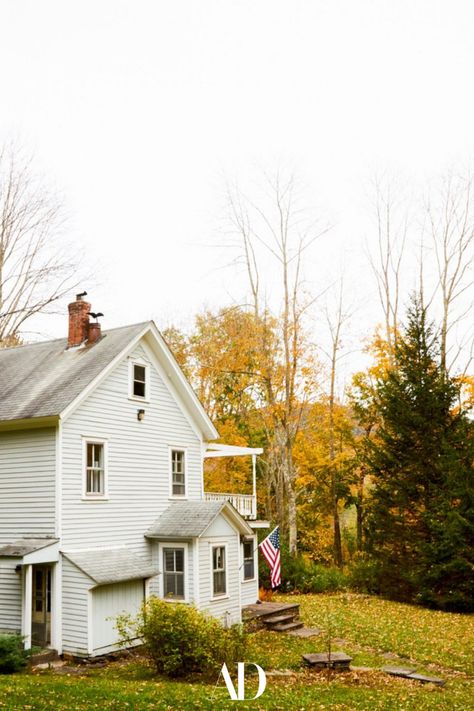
238 520
29 423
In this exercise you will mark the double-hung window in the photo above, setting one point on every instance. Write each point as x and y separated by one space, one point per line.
95 469
178 472
249 561
173 573
219 575
139 380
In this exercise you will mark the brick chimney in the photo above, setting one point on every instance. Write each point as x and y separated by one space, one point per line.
78 321
94 333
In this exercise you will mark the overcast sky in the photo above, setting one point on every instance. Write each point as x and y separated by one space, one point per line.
137 110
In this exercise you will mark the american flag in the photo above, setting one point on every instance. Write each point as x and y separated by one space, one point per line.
270 548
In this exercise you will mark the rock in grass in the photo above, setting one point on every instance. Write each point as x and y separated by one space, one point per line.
336 660
427 679
398 671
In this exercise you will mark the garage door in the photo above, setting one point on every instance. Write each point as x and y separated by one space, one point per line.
108 601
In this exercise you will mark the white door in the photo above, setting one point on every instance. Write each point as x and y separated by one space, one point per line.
108 601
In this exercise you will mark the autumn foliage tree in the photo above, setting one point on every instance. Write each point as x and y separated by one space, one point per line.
223 361
274 231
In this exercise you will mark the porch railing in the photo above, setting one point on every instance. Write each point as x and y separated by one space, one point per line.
246 504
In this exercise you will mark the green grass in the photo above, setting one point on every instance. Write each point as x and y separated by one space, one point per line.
441 644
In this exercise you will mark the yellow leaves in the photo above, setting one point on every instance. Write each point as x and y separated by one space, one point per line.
229 474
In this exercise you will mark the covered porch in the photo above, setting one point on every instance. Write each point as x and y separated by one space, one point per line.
246 504
34 574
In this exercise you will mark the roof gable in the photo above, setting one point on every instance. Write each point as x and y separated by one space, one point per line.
191 519
42 379
46 379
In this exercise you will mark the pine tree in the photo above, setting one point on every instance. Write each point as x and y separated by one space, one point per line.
420 527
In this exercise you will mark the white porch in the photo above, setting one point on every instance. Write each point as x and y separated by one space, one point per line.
246 504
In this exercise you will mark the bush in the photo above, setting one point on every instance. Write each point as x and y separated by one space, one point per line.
305 576
13 657
180 641
364 576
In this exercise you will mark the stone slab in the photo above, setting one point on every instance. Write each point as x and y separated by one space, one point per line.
288 627
399 671
427 679
337 660
305 632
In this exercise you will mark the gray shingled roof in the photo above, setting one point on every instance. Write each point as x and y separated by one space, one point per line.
185 519
23 546
42 379
113 565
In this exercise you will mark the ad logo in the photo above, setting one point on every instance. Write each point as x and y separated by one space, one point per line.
239 695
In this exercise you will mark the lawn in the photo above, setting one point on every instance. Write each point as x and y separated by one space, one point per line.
374 632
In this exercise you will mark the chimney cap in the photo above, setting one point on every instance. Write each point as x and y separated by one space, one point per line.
79 296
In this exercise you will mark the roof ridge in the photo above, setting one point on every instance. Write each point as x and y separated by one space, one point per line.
64 338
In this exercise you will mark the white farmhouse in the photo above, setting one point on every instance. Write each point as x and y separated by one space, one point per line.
102 500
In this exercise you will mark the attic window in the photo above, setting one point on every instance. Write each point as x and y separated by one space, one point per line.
139 380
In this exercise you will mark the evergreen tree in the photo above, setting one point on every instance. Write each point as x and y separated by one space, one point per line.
420 527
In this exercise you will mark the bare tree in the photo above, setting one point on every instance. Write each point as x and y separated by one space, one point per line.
278 229
392 220
336 322
450 213
35 269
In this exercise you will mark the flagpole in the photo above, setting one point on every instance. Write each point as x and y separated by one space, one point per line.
258 545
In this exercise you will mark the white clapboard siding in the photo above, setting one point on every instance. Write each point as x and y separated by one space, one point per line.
75 587
249 594
227 607
107 602
10 596
27 483
138 461
249 588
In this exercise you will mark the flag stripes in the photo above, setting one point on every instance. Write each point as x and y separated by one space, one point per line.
270 549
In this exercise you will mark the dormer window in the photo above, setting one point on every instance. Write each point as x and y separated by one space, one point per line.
139 380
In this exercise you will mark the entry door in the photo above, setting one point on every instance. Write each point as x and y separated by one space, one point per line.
41 602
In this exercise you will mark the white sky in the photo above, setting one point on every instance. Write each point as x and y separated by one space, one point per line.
136 109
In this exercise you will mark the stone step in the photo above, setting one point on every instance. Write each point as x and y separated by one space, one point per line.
337 660
287 627
279 619
305 632
46 655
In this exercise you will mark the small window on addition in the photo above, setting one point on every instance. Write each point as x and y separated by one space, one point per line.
95 469
139 380
173 573
249 561
219 583
178 473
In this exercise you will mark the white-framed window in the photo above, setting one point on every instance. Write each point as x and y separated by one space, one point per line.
139 380
249 560
94 468
219 570
174 568
178 472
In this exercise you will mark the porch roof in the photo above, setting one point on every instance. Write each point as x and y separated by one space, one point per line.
111 565
229 450
24 546
190 519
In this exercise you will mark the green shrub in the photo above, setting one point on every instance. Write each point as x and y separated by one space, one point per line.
304 576
181 641
13 657
364 576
